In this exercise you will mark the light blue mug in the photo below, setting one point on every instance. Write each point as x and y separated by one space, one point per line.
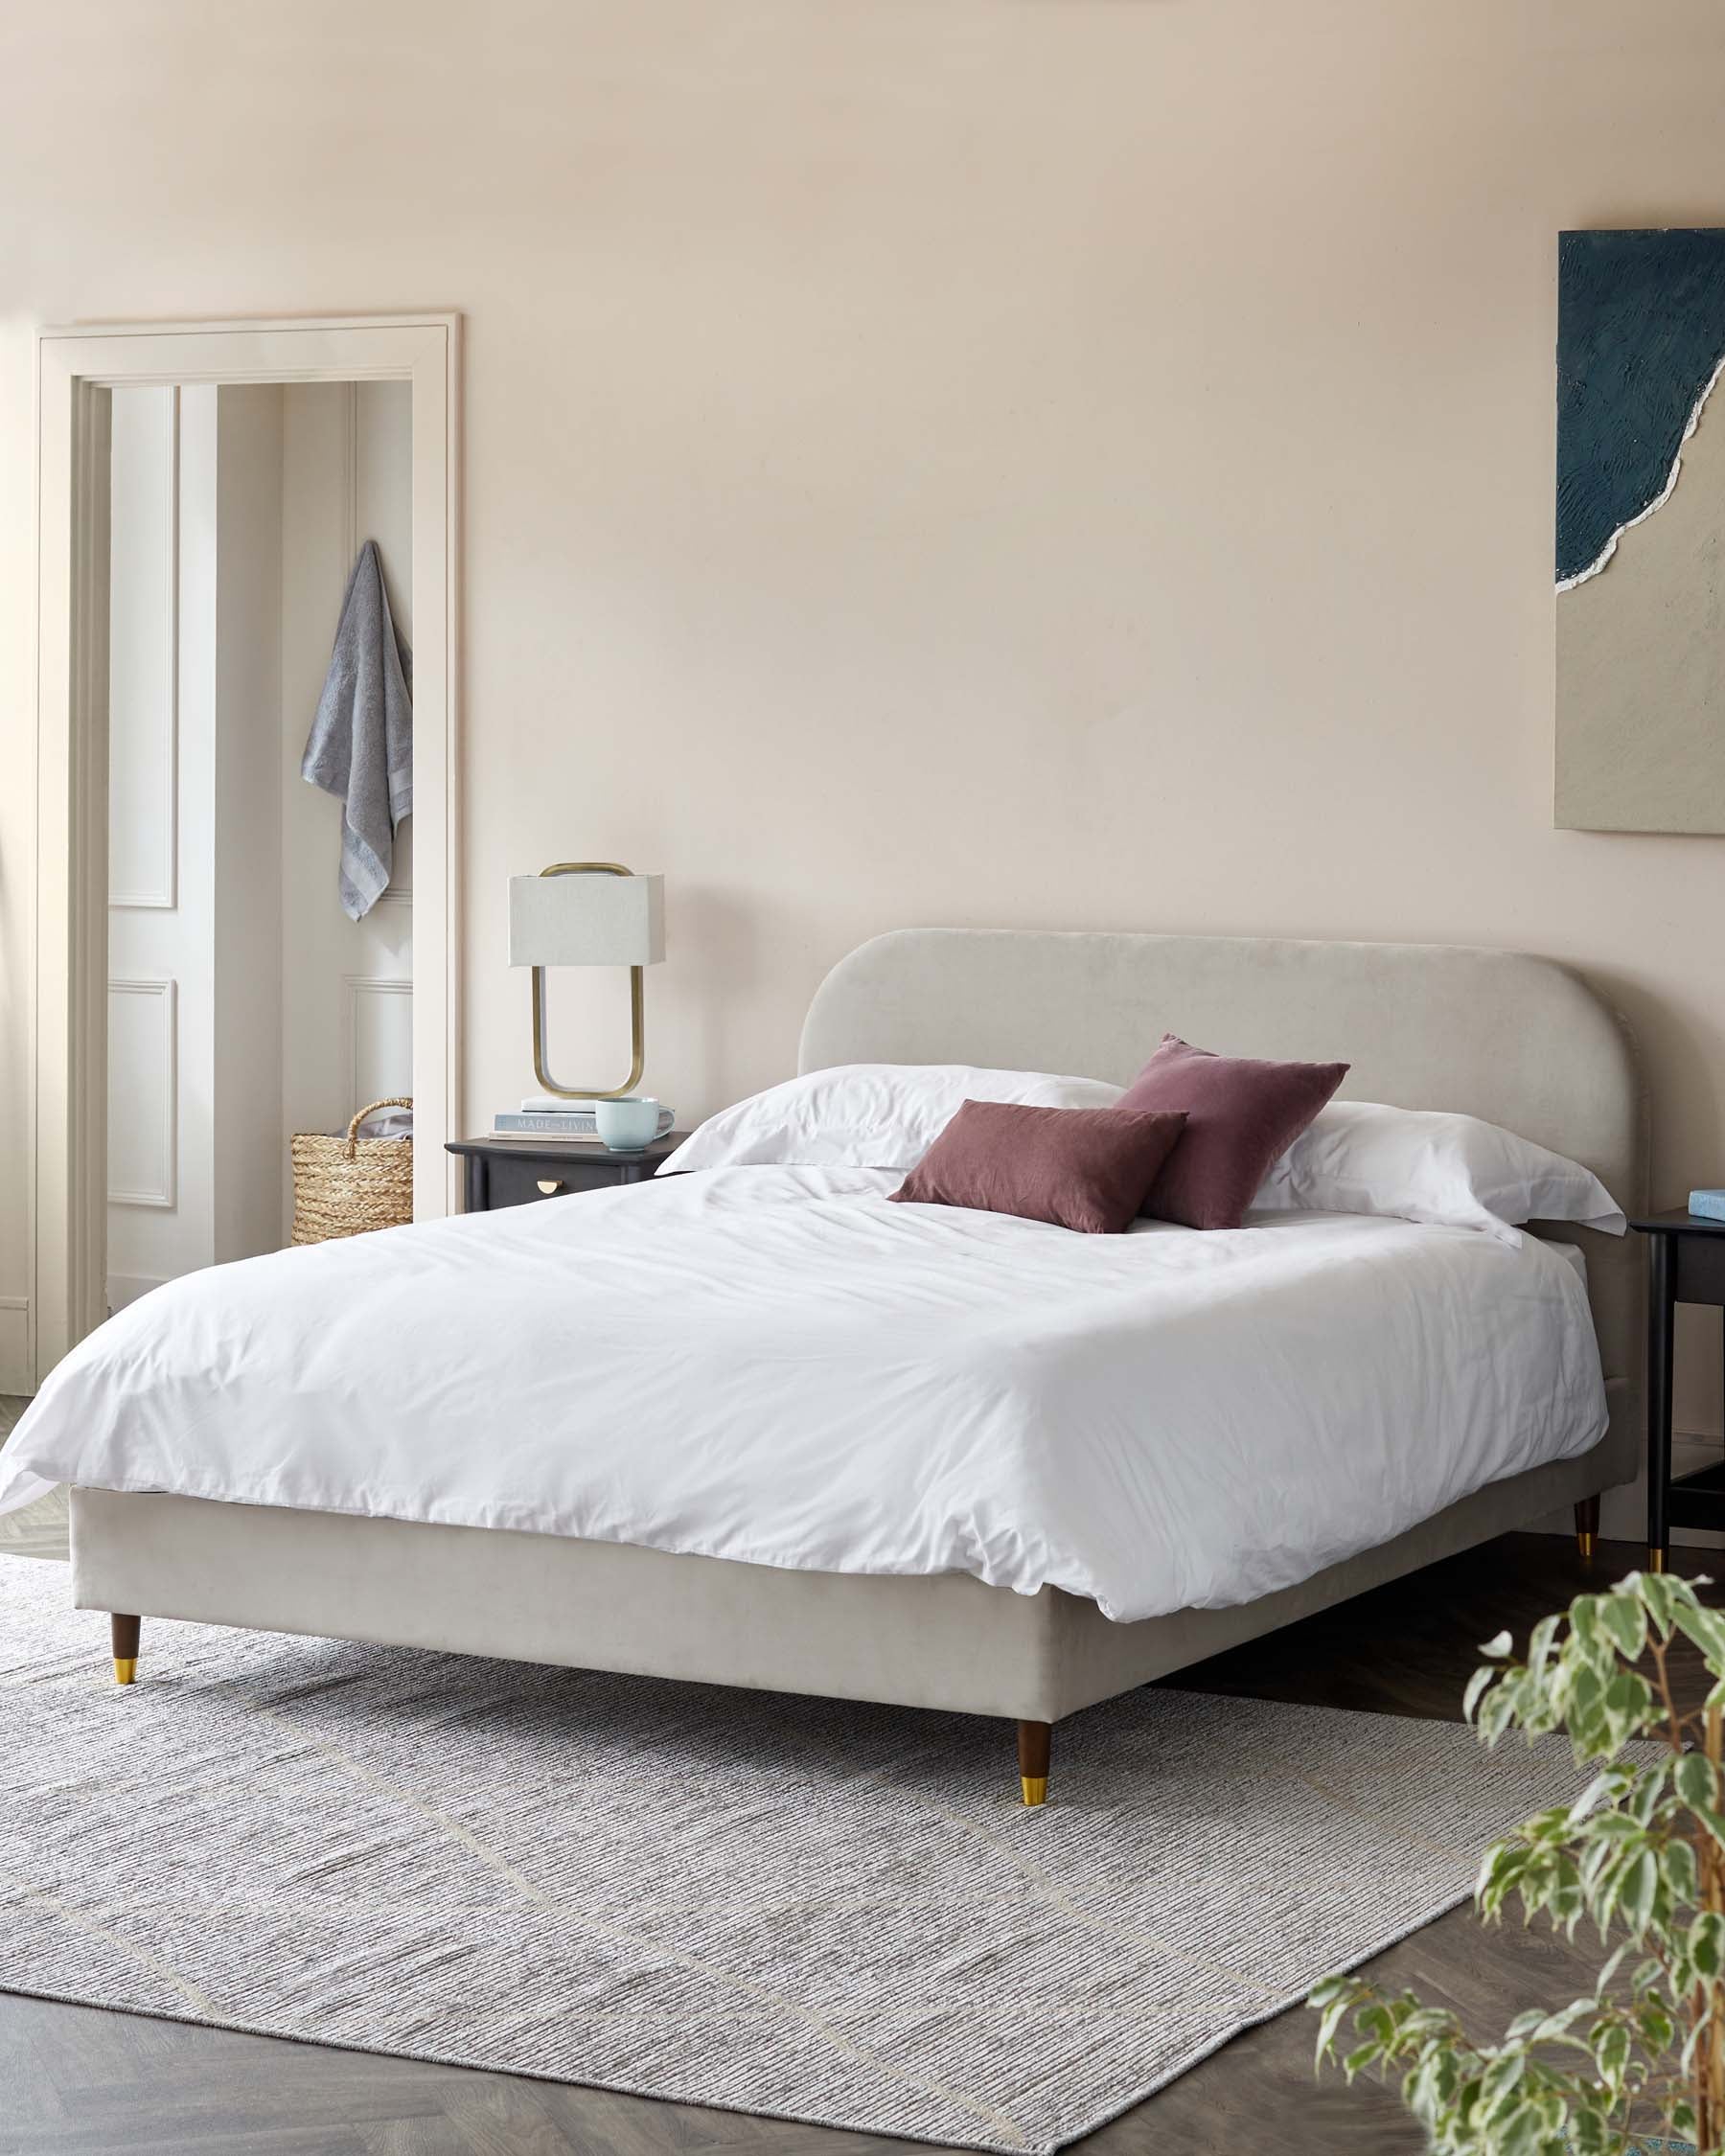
626 1126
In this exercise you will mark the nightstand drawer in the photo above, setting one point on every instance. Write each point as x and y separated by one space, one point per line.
523 1183
501 1172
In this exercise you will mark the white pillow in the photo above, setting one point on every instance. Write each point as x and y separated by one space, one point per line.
866 1114
1456 1171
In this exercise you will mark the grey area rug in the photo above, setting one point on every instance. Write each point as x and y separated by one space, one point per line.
827 1912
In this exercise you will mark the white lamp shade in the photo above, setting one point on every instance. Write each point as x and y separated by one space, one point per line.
587 919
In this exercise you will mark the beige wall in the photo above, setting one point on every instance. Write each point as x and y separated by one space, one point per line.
1082 462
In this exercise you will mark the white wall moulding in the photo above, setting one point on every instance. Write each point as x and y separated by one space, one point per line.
76 367
143 1092
144 655
378 1024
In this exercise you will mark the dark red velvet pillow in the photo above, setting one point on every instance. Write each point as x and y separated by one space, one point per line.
1241 1117
1088 1168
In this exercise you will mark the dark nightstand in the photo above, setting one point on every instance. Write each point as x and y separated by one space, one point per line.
1688 1255
520 1171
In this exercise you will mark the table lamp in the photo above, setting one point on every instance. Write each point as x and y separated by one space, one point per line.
587 914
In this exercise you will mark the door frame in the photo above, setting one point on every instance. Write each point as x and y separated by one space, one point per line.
76 367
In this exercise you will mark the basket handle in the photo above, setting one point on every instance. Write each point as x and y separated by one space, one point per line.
395 1100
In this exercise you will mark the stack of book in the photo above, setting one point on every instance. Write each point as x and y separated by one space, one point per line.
545 1116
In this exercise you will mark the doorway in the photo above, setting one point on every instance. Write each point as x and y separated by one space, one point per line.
203 491
243 1003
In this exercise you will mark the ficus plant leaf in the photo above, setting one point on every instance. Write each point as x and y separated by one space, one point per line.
1639 1856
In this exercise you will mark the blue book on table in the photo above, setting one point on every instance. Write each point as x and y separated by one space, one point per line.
1709 1205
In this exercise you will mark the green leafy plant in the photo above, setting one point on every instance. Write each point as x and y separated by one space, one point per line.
1640 1856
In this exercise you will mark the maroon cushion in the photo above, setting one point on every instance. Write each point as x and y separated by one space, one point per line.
1087 1168
1241 1117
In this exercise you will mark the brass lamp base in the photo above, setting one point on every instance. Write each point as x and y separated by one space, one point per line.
637 1006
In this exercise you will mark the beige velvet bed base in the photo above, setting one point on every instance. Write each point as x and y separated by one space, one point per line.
943 1641
1519 1041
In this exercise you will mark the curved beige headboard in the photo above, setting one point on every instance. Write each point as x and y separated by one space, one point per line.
1520 1041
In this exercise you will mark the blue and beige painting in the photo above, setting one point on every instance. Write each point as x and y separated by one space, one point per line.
1640 531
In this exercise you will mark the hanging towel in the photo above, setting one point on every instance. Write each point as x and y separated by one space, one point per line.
360 747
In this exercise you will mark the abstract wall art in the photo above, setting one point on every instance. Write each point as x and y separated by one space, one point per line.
1640 531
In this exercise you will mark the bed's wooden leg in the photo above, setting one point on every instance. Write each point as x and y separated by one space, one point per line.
1034 1739
122 1632
1587 1526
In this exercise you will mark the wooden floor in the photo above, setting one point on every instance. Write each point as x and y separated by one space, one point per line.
77 2079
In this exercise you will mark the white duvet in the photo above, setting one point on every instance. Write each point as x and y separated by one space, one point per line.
777 1365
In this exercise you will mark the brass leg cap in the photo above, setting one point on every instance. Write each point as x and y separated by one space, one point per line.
1656 1560
126 1668
1584 1543
1035 1788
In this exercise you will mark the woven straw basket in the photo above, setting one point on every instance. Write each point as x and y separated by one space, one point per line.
348 1187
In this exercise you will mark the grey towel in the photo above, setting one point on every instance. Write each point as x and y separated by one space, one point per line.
360 747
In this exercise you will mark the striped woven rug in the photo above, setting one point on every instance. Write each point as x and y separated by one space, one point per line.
827 1912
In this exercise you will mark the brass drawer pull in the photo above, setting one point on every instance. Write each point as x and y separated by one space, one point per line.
550 1189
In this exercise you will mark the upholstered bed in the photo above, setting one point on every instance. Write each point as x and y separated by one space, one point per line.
1516 1041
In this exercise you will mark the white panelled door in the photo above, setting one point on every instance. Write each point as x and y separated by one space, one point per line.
160 1218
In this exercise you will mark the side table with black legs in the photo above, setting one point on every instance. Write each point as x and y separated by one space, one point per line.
1687 1255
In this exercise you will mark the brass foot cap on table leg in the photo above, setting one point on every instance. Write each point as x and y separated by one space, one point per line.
1584 1543
125 1669
1035 1788
1656 1560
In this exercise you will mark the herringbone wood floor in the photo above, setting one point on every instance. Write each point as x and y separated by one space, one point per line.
76 2081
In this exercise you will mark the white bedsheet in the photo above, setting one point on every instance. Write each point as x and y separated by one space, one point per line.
776 1364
